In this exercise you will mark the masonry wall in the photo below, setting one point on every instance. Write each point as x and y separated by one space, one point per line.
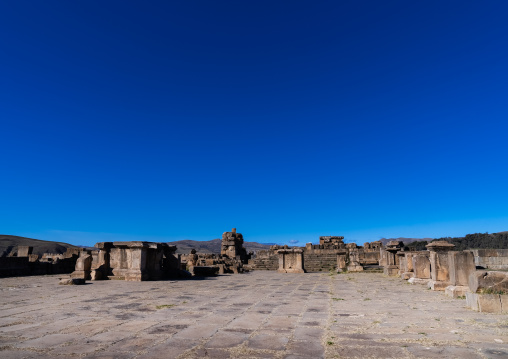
491 258
265 260
322 260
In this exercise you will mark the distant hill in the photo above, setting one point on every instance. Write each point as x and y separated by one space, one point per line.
9 244
212 246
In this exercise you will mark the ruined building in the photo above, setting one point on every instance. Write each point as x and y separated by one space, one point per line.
131 261
330 253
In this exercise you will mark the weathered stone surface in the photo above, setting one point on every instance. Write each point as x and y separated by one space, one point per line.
489 303
321 315
455 291
461 265
418 281
421 266
488 281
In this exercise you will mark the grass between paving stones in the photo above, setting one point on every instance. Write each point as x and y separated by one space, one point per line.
164 306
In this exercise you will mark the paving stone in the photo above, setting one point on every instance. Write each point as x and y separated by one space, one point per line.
443 352
260 314
361 352
226 340
48 341
311 349
17 354
267 342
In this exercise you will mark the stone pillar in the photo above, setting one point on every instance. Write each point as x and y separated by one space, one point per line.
83 266
439 264
421 268
406 265
354 261
382 256
342 260
461 265
392 262
137 268
401 260
101 261
291 260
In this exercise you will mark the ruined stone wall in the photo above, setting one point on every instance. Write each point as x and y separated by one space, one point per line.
491 258
320 260
24 266
265 260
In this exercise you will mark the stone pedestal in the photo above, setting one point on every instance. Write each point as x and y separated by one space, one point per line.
291 260
392 260
406 265
439 264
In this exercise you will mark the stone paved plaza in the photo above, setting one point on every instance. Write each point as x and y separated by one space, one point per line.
255 315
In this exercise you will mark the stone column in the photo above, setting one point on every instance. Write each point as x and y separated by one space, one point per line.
439 264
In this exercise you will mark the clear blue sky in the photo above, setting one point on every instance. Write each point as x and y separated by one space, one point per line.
288 120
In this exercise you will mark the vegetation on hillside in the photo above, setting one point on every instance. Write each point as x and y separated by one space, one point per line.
470 241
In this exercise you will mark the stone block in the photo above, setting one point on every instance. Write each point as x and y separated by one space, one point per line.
418 281
25 251
421 266
461 266
407 275
391 270
438 284
472 300
489 303
454 291
491 281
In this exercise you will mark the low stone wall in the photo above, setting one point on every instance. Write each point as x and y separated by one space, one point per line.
23 266
491 258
